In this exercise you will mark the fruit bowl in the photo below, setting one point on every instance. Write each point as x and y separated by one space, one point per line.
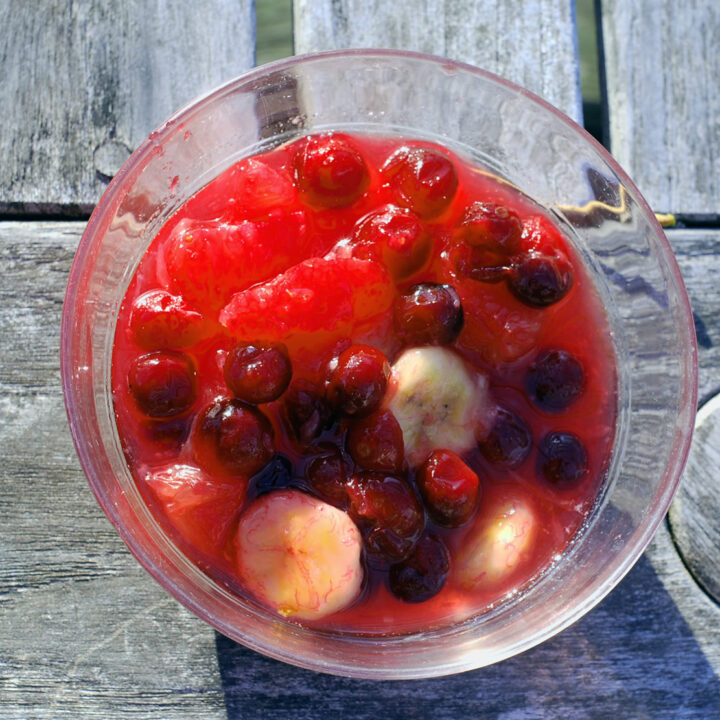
499 136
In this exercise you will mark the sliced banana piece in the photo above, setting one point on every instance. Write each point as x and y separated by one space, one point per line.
299 555
497 545
437 401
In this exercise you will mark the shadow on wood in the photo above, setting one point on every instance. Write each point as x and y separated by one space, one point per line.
633 656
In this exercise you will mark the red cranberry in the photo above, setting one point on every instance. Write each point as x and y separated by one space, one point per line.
555 380
492 227
163 383
388 514
159 320
562 459
306 411
376 442
276 475
509 441
330 172
359 380
429 314
327 475
449 488
396 237
258 373
540 280
231 437
423 180
422 574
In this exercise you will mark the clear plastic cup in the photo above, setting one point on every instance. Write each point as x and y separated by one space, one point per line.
522 139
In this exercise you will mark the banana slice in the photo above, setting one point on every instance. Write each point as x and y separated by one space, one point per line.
299 555
438 402
497 546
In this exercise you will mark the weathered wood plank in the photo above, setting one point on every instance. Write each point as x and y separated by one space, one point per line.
84 631
532 44
85 82
662 65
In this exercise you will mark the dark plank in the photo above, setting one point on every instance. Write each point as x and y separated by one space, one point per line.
84 631
532 44
661 66
85 82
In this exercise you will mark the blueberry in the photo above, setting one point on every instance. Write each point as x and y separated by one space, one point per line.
509 441
562 459
422 575
555 380
540 280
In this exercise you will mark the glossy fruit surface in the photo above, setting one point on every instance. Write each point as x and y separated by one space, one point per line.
258 372
163 384
429 314
450 489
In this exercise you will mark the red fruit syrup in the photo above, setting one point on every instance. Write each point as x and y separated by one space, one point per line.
376 338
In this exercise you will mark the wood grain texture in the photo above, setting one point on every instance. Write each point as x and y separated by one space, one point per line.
532 44
85 82
695 512
84 631
662 63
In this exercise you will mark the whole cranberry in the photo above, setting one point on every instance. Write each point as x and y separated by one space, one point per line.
359 380
555 380
327 475
540 280
330 171
258 372
509 441
396 237
422 574
163 383
376 442
231 437
388 514
429 314
450 488
562 459
423 180
490 226
306 411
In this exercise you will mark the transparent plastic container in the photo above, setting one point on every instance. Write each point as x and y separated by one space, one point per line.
522 139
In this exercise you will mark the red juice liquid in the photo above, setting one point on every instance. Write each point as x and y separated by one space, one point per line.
261 254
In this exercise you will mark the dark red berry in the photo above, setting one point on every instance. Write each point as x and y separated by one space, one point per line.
555 380
423 180
306 411
330 172
359 380
376 442
163 383
562 459
231 437
422 574
258 372
509 441
490 227
388 514
449 488
159 320
277 474
396 237
429 314
327 475
540 280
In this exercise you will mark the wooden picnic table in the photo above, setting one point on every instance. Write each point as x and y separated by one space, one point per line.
84 631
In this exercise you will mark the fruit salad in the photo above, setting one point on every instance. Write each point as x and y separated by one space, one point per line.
365 384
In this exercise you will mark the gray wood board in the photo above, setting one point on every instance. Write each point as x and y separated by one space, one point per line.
83 83
85 633
532 44
662 64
